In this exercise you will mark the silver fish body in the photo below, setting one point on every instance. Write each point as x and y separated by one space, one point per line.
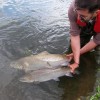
44 75
40 61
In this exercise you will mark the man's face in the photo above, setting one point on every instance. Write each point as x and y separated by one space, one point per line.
84 15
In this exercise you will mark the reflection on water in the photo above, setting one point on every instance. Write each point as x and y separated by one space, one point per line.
34 25
39 25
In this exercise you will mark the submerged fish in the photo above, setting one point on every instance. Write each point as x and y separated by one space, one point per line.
40 61
45 75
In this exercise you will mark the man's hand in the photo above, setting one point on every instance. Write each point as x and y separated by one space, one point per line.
73 67
70 56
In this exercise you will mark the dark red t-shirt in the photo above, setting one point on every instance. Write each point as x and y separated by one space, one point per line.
74 28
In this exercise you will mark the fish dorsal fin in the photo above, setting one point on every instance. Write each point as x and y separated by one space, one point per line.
44 53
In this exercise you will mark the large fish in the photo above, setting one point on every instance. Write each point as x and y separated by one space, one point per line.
45 75
40 61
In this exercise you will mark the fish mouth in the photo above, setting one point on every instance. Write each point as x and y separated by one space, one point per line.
24 80
16 66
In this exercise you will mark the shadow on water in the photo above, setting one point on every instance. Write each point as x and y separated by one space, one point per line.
23 91
81 86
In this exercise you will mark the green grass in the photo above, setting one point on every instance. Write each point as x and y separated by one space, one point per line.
96 96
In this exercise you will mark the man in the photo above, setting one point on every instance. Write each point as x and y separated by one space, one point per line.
84 17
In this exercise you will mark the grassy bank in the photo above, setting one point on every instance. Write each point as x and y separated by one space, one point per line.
96 95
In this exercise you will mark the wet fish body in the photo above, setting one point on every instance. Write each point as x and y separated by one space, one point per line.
29 63
45 75
40 61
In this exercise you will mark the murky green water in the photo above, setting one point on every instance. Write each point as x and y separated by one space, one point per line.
40 25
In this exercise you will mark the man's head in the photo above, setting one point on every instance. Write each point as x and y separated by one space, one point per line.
87 9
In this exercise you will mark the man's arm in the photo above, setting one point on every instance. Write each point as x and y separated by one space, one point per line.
75 44
89 46
75 38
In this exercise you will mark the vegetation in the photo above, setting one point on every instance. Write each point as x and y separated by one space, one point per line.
96 96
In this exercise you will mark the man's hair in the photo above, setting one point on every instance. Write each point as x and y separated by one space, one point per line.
91 5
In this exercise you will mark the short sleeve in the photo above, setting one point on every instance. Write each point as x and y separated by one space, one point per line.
74 28
96 38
